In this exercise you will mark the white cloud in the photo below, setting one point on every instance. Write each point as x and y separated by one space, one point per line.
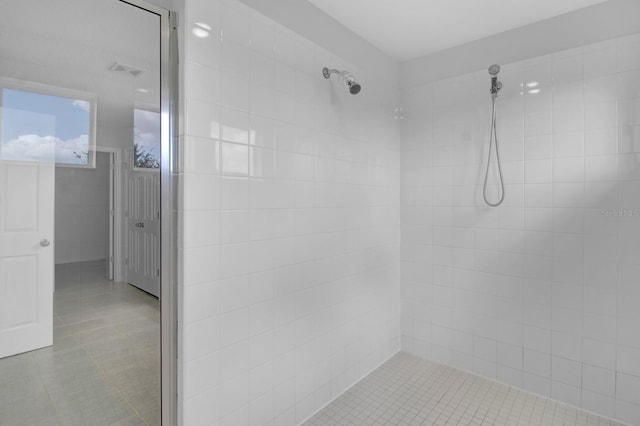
83 105
45 149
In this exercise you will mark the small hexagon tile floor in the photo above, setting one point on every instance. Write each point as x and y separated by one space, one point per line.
407 390
104 365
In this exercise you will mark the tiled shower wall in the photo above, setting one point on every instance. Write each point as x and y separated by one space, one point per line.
542 292
290 221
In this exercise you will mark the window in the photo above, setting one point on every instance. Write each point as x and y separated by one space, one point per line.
146 139
46 124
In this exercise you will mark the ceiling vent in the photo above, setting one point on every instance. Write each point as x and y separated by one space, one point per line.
128 69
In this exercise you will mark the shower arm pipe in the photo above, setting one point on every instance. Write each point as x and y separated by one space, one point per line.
345 77
326 72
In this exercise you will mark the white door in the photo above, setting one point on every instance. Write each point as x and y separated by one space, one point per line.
143 230
26 256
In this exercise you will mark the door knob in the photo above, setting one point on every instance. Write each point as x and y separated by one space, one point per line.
44 242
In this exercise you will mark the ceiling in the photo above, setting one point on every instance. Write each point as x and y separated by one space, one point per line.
73 43
407 29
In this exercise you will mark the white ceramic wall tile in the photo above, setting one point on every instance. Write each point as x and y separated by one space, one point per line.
291 223
598 380
599 59
628 388
558 244
235 22
290 219
204 85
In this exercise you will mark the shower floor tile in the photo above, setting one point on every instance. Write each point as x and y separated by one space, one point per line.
407 390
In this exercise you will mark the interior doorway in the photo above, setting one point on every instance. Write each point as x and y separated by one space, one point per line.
142 207
90 351
85 215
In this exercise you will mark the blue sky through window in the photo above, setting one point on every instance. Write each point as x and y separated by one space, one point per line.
39 127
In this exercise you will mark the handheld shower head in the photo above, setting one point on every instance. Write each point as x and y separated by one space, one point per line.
493 137
346 79
495 84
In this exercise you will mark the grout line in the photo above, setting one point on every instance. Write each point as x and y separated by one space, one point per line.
398 350
116 329
404 380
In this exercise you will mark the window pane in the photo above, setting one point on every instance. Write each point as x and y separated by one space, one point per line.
38 127
146 139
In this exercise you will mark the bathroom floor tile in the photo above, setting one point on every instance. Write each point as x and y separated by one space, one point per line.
104 365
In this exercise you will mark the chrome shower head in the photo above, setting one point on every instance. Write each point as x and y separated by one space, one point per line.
494 69
354 87
346 79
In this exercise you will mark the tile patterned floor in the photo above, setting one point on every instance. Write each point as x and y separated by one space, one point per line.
407 390
104 365
104 369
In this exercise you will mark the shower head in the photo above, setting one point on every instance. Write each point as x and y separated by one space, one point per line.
495 84
346 79
354 87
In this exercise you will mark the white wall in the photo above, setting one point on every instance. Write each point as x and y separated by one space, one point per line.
542 292
290 223
82 212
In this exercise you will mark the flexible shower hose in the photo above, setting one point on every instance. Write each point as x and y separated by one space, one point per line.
493 136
